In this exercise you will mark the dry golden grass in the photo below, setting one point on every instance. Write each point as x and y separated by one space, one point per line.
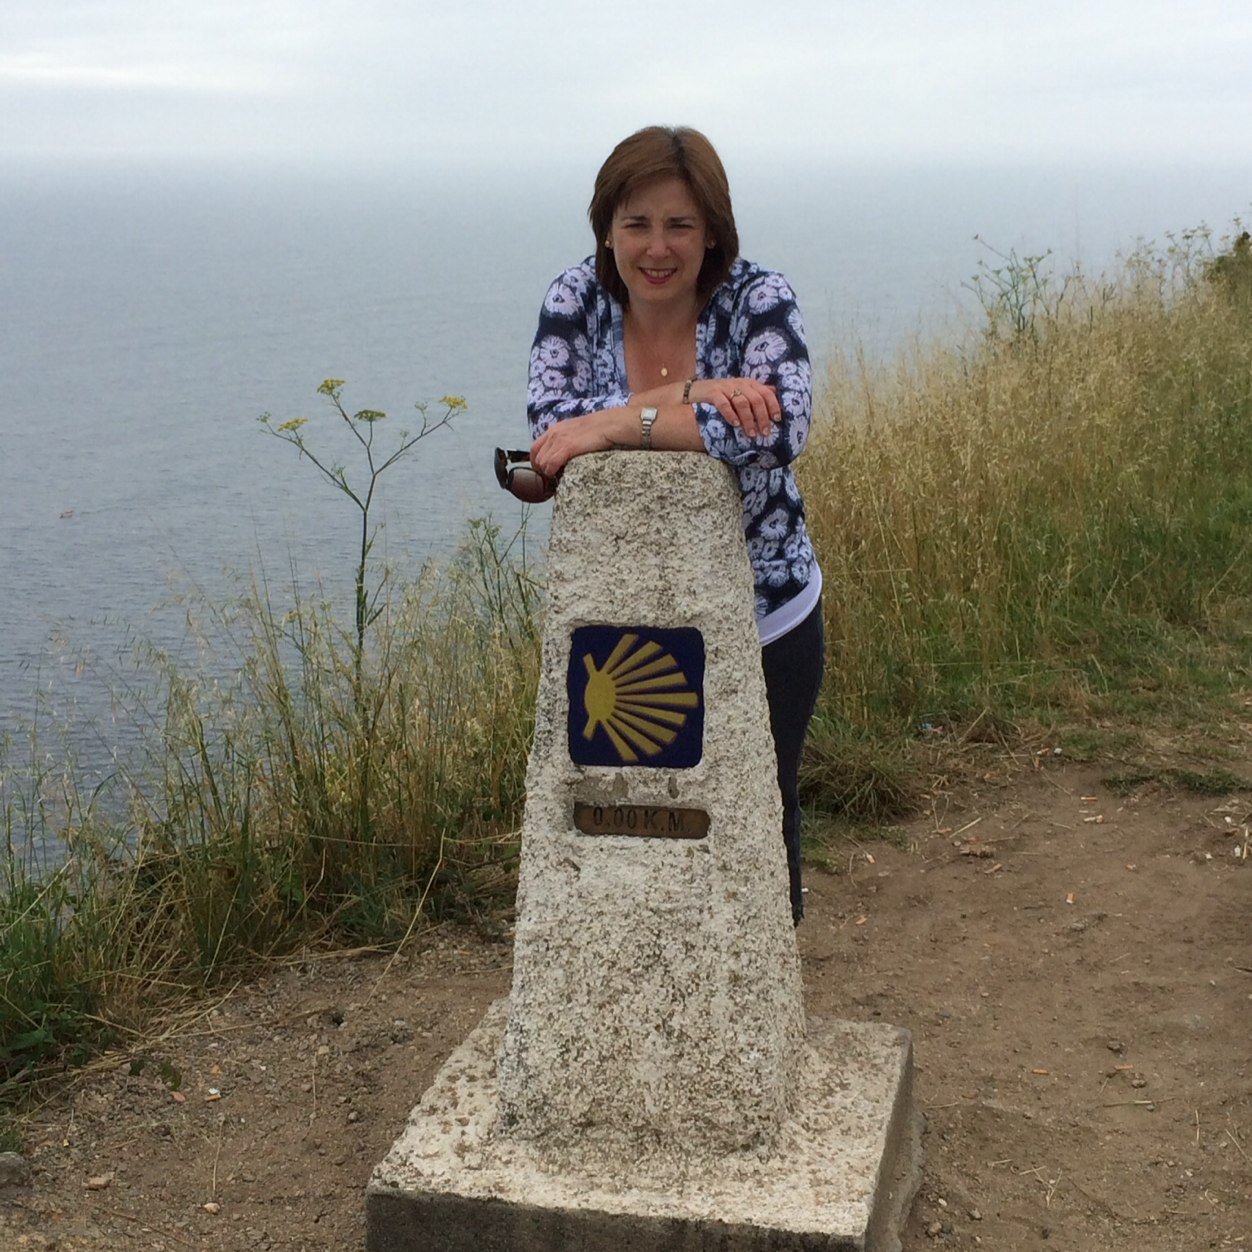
995 518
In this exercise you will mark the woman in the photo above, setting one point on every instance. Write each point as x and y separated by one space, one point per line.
667 339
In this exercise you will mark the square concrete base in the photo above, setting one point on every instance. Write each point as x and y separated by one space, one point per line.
840 1175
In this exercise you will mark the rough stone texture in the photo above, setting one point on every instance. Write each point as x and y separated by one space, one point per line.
14 1170
840 1173
656 993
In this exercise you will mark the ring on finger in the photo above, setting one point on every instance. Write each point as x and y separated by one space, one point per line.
736 393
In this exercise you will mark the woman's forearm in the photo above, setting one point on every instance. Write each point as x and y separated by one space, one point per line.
743 402
746 404
674 430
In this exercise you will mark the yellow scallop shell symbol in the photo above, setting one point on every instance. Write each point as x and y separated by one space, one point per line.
637 697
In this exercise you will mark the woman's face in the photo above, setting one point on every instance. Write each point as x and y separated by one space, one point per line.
659 239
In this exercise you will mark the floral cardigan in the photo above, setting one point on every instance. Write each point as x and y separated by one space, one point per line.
751 328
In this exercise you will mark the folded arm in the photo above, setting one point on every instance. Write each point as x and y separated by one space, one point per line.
766 345
737 419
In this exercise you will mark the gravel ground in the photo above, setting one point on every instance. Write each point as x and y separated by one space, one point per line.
1075 966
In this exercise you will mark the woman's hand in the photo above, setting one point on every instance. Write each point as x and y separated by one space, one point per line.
750 405
568 438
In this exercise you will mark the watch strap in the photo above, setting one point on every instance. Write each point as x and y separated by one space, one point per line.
647 415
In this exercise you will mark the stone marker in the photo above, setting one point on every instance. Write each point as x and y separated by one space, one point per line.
649 1084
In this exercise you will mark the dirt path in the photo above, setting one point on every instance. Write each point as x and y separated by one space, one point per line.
1075 966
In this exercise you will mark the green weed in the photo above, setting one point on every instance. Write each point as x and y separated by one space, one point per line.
1217 781
853 775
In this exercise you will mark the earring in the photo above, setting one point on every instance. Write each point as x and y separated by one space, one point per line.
608 243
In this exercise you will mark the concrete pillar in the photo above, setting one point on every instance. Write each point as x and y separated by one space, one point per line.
649 1084
656 988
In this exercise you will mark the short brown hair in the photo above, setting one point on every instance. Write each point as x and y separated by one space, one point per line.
665 152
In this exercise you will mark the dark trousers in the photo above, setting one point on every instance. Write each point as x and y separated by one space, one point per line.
793 668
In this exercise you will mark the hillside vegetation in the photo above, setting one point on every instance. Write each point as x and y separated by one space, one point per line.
1044 527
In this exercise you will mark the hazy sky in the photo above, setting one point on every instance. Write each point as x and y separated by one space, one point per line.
511 80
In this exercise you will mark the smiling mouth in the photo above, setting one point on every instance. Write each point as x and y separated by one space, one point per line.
656 276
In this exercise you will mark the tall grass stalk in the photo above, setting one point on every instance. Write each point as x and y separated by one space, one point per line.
362 425
1042 507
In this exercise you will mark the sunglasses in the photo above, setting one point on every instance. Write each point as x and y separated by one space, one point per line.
523 480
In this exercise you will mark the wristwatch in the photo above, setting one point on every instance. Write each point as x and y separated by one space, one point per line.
647 415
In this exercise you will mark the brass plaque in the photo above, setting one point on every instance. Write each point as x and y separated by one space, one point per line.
647 821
